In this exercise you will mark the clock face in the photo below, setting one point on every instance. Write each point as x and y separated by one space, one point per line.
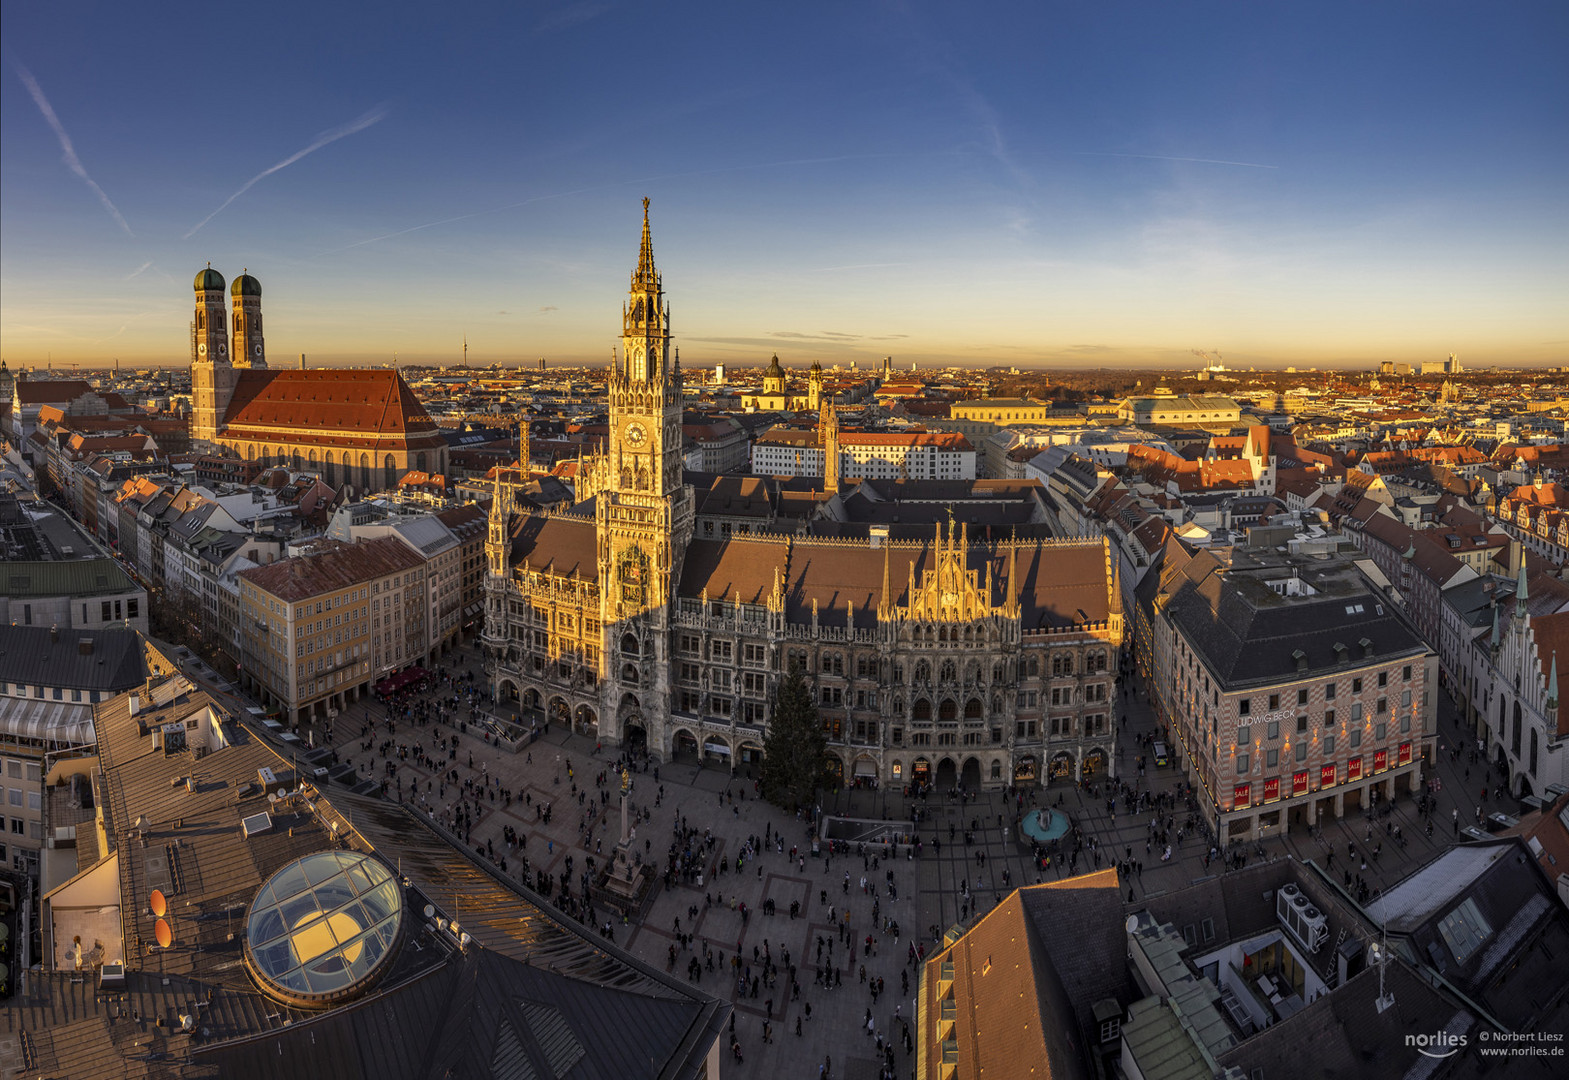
201 349
258 350
222 349
637 434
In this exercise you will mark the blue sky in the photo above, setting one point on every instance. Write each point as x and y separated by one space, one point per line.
1057 183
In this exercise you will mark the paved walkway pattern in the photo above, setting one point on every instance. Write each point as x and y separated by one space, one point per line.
841 1023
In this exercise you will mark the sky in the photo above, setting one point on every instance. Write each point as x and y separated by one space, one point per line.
1040 183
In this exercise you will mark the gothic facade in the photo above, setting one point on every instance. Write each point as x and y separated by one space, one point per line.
357 427
934 658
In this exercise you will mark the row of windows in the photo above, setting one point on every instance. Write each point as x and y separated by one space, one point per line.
52 693
1245 705
1300 752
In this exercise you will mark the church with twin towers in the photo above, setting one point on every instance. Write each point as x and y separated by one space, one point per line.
362 429
947 637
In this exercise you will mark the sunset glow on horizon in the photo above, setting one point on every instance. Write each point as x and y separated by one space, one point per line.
1018 184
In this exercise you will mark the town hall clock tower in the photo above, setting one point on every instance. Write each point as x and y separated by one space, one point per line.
644 516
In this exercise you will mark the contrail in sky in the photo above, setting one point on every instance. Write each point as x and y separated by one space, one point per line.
68 152
1195 160
353 126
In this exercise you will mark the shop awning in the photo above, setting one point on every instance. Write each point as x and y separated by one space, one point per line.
59 722
393 683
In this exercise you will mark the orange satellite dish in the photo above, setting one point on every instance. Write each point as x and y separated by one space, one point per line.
163 934
159 905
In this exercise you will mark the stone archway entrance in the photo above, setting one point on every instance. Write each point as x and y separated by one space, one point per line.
947 774
685 745
1024 770
970 777
920 771
585 722
833 770
1061 766
636 736
1095 763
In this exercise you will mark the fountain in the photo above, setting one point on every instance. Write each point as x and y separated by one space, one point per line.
1045 825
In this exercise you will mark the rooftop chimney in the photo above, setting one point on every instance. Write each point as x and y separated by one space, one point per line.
84 646
302 361
54 633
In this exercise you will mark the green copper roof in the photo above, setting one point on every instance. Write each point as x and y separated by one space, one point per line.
245 285
208 279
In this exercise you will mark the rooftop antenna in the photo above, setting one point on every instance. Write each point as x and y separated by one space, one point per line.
1385 998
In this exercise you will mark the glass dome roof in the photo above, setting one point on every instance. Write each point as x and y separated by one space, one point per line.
323 925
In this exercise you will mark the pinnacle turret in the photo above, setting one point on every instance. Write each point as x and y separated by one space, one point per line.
645 277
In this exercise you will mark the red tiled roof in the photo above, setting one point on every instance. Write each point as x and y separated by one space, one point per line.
360 403
31 392
336 567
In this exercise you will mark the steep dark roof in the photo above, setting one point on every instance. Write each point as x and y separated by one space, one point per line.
1247 633
108 660
1059 584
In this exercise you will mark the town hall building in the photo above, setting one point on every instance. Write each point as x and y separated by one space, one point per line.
940 657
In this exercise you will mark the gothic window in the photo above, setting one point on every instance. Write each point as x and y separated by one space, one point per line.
629 674
365 471
419 461
972 709
950 671
1514 742
1530 765
948 711
923 710
390 469
923 672
629 644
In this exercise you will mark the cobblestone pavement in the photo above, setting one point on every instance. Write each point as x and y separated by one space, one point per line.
928 893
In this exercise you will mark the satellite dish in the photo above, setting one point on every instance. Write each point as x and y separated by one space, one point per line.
272 796
1133 923
163 935
157 902
430 909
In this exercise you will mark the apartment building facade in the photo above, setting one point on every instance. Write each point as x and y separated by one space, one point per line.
320 629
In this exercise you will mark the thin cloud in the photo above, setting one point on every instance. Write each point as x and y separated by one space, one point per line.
139 270
1194 160
67 150
376 115
571 15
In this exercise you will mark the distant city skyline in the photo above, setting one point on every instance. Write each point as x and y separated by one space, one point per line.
1020 185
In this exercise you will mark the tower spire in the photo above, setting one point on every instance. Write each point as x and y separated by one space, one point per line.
645 276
